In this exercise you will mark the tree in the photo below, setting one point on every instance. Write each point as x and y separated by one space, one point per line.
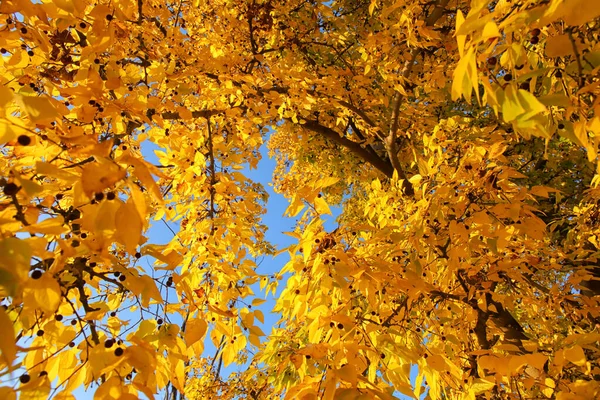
459 139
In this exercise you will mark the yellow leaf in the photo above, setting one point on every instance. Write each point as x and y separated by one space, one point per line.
347 373
6 95
50 226
437 362
7 339
129 226
296 205
43 293
47 169
142 172
372 6
511 108
530 103
66 5
254 339
576 355
8 393
40 109
559 100
100 175
558 46
326 182
549 387
111 389
15 256
142 358
195 330
461 84
297 360
460 19
482 385
160 252
578 12
490 30
139 200
257 301
321 206
259 316
7 132
64 395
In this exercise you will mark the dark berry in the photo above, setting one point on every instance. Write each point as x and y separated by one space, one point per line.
118 352
58 317
72 344
122 278
534 40
40 333
30 53
340 326
159 321
10 189
99 196
37 274
536 32
138 255
109 343
3 50
43 373
24 140
113 314
109 17
558 74
82 25
24 378
110 196
96 61
561 126
525 86
24 31
508 77
492 60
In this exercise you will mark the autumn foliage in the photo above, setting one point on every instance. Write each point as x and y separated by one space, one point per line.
459 140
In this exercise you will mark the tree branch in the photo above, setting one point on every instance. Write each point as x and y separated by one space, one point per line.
354 147
195 114
390 140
